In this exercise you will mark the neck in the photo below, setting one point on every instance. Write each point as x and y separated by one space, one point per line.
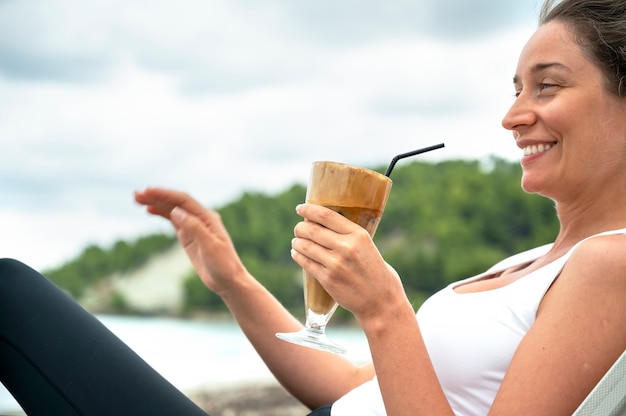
581 220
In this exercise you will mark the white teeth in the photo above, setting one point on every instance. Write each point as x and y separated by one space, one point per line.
531 150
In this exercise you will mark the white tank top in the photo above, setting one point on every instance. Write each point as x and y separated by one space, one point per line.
471 337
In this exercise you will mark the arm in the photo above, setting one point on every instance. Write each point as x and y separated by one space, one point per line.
313 377
342 256
579 332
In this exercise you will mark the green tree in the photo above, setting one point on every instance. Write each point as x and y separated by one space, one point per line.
443 222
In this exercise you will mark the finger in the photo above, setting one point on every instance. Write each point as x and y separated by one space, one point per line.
209 225
188 227
307 248
321 235
303 260
339 238
326 217
164 199
161 201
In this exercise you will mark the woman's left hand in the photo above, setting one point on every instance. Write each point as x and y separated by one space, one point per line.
343 258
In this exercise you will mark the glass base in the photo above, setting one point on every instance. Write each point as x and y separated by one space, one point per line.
313 339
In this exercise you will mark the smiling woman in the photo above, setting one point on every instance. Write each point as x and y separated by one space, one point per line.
531 335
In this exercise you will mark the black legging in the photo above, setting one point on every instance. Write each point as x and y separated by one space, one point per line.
57 359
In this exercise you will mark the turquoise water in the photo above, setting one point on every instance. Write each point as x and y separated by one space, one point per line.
192 354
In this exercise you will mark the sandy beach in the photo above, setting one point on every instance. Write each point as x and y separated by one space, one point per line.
258 399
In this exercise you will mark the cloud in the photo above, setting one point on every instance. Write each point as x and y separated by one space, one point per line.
216 97
353 22
221 46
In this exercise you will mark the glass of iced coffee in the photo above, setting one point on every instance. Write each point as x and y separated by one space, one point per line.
358 194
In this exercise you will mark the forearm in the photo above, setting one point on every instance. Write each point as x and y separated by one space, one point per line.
313 377
407 379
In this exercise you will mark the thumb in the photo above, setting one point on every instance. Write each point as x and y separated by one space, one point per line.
177 216
187 226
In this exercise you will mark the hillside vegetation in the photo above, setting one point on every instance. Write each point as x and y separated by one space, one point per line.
443 222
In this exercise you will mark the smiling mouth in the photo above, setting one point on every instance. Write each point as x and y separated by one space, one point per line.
537 148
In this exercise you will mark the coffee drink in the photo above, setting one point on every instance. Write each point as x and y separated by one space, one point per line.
356 193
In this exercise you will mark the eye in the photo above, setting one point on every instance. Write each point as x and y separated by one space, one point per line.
543 86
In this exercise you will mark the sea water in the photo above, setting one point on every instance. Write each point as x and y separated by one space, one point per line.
199 354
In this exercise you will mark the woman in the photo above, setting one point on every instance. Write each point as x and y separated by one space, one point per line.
569 119
533 334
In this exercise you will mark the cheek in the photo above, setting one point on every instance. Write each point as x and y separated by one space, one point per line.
560 122
583 125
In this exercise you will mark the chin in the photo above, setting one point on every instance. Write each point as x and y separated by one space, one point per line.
537 188
530 186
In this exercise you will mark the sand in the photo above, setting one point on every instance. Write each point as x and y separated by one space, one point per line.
259 399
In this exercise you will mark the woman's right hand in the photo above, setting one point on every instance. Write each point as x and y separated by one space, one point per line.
201 233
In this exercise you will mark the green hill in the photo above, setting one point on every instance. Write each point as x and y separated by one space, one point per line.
443 222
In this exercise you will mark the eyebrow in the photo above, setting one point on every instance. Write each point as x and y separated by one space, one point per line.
541 66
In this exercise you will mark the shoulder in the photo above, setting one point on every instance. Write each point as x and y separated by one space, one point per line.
599 243
601 258
579 331
591 287
595 270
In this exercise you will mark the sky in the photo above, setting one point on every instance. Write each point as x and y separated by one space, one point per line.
220 97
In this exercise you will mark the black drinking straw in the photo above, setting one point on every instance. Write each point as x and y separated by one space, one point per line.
411 153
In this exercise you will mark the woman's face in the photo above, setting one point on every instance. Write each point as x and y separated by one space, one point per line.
571 129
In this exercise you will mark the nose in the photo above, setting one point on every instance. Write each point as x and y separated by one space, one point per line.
519 115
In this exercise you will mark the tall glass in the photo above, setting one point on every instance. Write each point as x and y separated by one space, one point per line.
358 194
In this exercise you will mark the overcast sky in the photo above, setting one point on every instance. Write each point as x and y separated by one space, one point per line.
215 97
